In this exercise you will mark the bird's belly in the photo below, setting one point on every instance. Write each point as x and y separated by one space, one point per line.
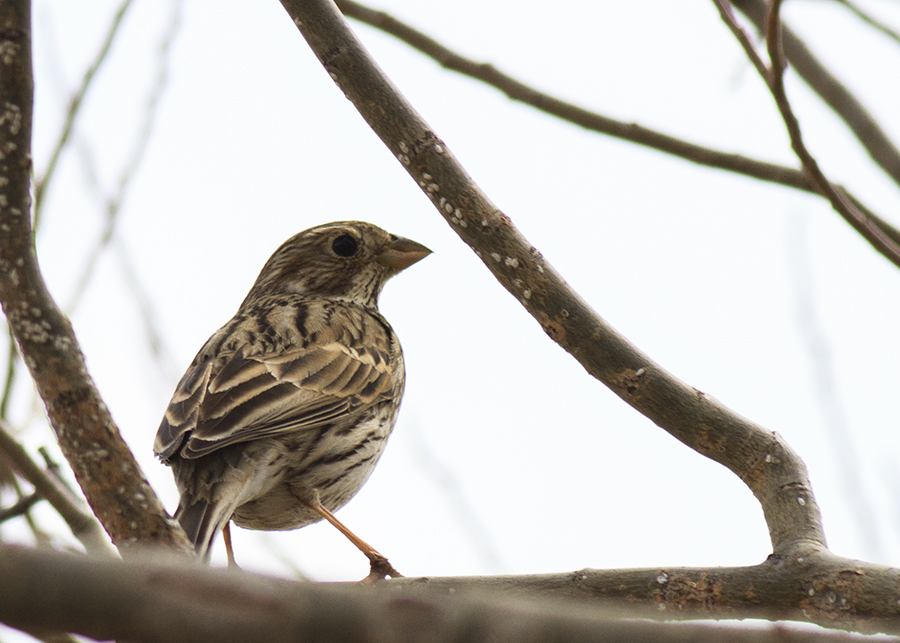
334 474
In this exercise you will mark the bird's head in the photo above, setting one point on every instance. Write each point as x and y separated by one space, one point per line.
348 260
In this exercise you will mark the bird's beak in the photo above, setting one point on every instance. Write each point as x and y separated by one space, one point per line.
402 253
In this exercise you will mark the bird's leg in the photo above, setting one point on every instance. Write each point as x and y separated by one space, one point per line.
226 535
379 565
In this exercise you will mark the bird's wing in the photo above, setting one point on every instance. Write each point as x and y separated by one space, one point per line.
331 374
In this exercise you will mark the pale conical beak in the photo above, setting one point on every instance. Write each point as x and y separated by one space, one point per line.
402 253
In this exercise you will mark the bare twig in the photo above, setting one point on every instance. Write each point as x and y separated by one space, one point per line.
83 524
517 90
122 600
827 392
839 201
113 205
12 356
883 241
103 464
20 507
870 20
74 106
866 129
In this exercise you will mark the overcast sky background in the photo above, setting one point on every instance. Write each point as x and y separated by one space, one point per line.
507 457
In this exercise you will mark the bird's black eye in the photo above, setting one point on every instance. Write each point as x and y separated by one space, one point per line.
345 246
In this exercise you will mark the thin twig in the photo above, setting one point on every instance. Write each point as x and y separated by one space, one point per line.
20 507
12 356
870 20
42 183
83 524
826 390
517 90
839 201
868 132
883 239
113 205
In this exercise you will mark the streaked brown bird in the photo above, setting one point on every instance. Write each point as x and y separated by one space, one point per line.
283 413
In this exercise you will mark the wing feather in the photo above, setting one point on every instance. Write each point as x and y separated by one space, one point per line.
236 391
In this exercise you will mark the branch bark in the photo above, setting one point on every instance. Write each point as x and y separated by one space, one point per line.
111 480
178 600
761 458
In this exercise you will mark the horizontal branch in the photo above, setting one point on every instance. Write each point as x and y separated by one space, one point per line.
177 600
592 121
761 458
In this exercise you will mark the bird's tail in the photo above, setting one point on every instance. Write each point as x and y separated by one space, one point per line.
201 522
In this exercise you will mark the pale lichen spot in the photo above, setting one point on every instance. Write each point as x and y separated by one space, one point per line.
463 224
527 294
496 256
540 269
404 159
403 147
448 207
438 149
434 187
564 313
12 116
512 262
426 176
8 51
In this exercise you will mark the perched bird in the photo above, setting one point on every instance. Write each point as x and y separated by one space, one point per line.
283 413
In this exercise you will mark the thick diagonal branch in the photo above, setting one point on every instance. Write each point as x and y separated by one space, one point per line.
111 480
759 457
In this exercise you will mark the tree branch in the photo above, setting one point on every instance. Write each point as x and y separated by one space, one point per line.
43 182
84 525
103 465
761 458
177 601
774 77
866 129
517 90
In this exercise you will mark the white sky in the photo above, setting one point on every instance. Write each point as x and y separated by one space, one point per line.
507 456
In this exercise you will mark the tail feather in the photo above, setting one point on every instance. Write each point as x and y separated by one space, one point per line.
201 522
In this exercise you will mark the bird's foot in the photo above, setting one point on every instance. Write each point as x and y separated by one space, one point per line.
380 568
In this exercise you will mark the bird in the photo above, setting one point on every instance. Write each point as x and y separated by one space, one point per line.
282 415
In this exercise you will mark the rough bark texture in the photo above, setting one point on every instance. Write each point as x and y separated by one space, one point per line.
103 464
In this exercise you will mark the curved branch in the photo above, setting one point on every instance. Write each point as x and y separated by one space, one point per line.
517 90
124 601
761 458
103 465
